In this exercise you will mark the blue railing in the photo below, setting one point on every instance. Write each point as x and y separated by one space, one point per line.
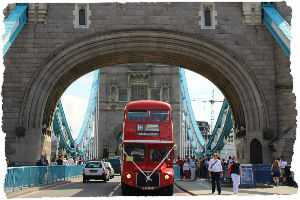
13 25
30 176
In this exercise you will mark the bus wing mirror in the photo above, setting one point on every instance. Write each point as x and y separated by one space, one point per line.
120 147
175 147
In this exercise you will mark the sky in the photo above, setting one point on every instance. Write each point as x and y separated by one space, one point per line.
75 99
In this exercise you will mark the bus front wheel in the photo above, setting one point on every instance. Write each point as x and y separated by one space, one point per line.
125 189
169 190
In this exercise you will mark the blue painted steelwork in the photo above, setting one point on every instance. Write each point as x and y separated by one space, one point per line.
188 110
86 128
65 123
196 140
57 129
90 109
278 27
218 124
30 176
13 25
226 130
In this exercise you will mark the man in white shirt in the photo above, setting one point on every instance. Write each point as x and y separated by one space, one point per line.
65 162
215 172
283 163
192 164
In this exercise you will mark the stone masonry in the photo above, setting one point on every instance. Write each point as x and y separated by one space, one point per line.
243 61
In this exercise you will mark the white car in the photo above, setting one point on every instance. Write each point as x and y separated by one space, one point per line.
95 170
110 169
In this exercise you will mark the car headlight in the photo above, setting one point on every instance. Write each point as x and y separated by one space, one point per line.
167 176
128 176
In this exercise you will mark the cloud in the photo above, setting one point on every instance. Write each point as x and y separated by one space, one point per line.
85 79
74 108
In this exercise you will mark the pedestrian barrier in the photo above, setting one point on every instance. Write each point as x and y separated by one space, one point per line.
176 169
28 176
262 174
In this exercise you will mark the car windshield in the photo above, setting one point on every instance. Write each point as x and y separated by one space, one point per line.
93 165
159 115
135 151
139 115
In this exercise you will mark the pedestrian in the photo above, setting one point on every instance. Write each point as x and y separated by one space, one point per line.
202 168
283 163
276 172
53 161
236 174
180 164
9 163
229 160
215 172
192 164
59 161
186 170
65 162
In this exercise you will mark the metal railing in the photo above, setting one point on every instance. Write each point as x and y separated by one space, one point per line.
30 176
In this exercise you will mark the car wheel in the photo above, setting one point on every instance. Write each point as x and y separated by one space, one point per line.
88 180
107 178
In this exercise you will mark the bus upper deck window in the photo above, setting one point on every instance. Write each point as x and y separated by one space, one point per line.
137 115
159 115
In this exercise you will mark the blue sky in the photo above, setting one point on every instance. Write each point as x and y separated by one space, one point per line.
75 99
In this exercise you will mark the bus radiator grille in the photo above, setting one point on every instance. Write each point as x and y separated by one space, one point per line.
141 180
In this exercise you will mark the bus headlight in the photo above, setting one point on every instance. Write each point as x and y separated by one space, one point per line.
128 176
167 177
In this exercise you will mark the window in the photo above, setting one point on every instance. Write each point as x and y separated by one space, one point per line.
137 115
122 94
155 94
82 16
135 151
159 115
93 165
207 17
157 155
138 92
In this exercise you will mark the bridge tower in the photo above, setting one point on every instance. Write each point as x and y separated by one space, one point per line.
128 82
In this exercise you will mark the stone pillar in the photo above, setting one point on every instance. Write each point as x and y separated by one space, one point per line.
30 147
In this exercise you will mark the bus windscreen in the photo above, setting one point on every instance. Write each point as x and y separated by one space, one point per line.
136 152
159 115
137 115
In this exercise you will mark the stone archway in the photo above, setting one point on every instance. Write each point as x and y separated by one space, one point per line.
189 51
256 156
115 136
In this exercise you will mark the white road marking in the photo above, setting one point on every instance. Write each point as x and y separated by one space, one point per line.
110 194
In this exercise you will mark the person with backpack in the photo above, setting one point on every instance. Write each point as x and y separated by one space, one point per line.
236 174
215 172
276 172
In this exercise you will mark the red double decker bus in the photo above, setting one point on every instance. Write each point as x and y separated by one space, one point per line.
148 145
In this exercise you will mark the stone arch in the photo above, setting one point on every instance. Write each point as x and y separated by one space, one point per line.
189 51
256 155
114 135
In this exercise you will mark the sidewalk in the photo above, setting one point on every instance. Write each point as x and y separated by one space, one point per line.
203 187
